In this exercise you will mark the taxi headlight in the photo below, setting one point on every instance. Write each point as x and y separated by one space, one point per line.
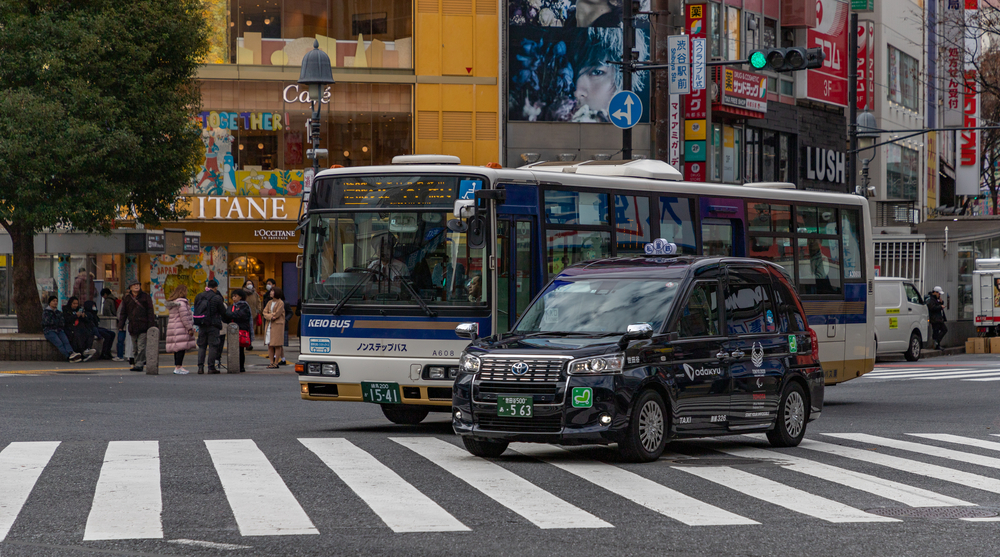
469 363
611 363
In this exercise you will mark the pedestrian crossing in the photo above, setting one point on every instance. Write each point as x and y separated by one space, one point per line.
935 374
737 481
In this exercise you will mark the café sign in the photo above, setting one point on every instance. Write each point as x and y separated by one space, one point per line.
242 208
293 93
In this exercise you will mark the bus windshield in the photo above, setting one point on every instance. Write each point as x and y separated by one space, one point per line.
599 305
391 258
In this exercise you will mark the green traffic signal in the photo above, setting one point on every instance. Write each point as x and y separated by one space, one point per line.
787 59
758 60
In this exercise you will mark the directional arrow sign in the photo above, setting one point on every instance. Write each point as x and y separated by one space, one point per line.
625 109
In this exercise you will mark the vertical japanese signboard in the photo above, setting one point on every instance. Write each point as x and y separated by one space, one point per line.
679 62
674 152
951 24
967 169
699 55
866 66
829 83
695 102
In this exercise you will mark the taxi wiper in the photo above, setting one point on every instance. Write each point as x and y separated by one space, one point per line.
567 334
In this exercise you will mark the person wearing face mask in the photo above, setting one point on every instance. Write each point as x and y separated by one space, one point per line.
253 300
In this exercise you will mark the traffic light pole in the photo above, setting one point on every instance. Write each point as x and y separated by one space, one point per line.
628 43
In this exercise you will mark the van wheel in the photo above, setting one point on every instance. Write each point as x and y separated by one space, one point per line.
404 415
912 354
791 426
646 435
484 448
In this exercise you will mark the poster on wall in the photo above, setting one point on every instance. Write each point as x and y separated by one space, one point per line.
218 174
167 272
829 83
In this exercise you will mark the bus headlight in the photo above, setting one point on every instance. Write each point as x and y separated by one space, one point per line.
314 368
331 369
469 363
611 363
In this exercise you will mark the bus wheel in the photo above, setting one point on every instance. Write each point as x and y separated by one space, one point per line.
404 415
791 426
912 353
646 436
484 448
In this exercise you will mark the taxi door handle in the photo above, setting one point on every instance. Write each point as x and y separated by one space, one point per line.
737 354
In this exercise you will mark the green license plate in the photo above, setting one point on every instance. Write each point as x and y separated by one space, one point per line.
514 406
380 393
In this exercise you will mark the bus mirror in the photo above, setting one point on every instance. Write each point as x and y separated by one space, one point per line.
464 208
458 225
476 238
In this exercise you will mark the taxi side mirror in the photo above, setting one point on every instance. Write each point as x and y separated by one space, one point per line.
468 330
636 331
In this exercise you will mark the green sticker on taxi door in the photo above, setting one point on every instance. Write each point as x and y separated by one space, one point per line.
793 344
583 397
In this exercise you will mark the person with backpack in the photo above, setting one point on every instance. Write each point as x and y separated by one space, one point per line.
180 328
209 311
243 317
935 308
137 309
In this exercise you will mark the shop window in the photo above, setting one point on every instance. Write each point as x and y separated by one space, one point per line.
902 172
732 34
715 29
752 155
769 39
280 32
717 152
677 223
573 207
787 87
903 78
631 224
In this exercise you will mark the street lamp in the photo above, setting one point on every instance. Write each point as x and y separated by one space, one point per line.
316 73
867 134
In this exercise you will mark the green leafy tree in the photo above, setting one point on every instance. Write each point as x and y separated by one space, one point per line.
97 99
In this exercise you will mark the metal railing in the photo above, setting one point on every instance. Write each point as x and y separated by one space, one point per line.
901 258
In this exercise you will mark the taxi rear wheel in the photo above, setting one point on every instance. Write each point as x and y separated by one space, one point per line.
404 415
791 426
646 435
484 448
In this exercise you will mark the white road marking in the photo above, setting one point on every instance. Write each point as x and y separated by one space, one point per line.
510 490
400 505
971 441
920 448
984 379
127 502
20 466
914 372
782 495
261 502
634 487
901 493
906 465
209 545
937 374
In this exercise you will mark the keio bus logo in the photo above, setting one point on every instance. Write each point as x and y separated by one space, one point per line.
329 323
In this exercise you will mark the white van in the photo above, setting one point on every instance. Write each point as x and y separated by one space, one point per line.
901 318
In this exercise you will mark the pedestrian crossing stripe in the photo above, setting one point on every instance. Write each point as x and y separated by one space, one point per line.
128 497
965 374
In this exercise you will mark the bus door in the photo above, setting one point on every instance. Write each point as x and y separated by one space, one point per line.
518 265
722 227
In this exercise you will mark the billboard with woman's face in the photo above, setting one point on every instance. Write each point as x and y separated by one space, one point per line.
558 60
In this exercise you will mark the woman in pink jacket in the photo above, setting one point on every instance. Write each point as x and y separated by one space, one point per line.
180 327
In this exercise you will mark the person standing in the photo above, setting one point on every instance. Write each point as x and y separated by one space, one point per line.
83 286
240 314
180 328
274 327
111 307
935 308
252 298
137 309
55 332
209 309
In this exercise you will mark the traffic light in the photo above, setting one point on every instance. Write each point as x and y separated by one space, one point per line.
787 59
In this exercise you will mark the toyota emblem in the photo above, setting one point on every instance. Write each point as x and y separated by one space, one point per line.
520 368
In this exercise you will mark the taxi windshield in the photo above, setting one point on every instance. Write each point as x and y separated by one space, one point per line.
599 305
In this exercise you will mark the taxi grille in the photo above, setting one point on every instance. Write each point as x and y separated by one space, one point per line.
540 370
538 424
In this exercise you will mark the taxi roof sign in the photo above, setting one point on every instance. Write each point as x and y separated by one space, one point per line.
660 246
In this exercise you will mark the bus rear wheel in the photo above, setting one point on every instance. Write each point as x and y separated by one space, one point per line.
404 415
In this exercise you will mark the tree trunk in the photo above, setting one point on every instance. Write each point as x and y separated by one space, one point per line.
26 302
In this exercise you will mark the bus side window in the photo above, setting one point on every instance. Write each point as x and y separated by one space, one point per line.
851 232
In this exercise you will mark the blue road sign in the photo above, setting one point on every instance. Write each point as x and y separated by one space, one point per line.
625 109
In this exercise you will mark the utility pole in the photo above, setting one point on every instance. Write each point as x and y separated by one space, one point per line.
661 90
628 44
852 103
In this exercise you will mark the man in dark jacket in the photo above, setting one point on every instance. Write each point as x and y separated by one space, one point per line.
96 331
137 309
935 309
208 332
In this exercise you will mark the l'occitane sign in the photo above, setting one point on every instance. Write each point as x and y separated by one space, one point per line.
241 208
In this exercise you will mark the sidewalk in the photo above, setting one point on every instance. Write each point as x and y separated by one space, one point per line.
256 364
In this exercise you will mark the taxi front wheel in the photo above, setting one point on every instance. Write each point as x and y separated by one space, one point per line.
791 426
646 435
484 448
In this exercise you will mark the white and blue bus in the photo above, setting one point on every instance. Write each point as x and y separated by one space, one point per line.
395 257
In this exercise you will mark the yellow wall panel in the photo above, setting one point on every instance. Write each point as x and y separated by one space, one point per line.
427 44
487 151
487 47
461 149
458 97
429 147
428 96
457 46
487 98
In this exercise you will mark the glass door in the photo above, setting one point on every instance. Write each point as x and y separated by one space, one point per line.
516 275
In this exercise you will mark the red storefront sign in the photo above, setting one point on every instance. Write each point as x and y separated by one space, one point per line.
829 83
866 66
695 102
742 90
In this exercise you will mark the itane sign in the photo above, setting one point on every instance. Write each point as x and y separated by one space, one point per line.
241 208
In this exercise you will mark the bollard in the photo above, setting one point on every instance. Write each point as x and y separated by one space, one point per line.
153 351
232 348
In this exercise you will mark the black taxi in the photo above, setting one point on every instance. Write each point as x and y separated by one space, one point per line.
637 351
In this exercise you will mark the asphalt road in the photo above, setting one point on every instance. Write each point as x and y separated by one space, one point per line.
239 465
